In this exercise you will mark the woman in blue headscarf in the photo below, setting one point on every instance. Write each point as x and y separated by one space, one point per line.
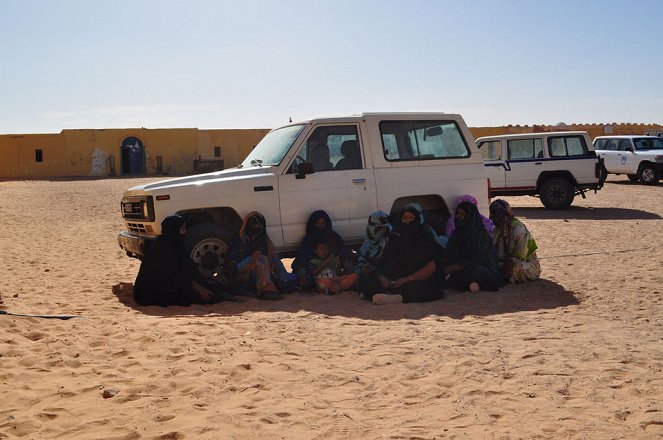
378 230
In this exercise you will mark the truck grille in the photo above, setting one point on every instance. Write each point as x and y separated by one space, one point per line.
137 227
137 208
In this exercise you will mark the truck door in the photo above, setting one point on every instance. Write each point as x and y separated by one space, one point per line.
627 160
524 163
341 185
610 154
493 160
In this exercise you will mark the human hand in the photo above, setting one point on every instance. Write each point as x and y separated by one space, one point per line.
384 281
399 282
206 294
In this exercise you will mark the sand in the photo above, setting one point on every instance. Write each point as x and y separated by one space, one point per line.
577 354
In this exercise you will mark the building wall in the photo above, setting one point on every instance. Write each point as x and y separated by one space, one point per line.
98 152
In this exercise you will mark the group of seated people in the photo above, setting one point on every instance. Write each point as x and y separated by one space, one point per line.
402 259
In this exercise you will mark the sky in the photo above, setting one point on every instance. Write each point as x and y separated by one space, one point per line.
70 64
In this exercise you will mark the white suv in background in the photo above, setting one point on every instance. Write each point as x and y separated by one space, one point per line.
639 157
555 166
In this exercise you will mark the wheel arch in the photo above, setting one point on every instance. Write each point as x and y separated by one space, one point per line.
428 202
558 173
223 216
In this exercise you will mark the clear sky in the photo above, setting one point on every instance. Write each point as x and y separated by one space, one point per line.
254 64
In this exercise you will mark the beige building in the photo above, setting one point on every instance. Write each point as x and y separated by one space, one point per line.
121 152
178 151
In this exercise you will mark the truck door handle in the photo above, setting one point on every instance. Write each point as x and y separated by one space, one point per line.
538 163
358 181
263 188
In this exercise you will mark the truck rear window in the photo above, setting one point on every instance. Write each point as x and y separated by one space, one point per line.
422 140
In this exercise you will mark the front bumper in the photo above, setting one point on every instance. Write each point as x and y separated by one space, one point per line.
133 245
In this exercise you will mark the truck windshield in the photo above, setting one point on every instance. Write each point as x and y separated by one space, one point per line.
648 143
273 147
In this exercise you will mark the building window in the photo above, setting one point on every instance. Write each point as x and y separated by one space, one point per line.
39 155
217 151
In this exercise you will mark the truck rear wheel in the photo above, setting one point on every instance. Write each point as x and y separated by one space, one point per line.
557 193
208 245
648 175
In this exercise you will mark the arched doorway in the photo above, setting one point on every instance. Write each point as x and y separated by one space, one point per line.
133 156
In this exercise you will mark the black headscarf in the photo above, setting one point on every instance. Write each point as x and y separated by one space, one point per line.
469 243
411 247
170 230
253 234
316 235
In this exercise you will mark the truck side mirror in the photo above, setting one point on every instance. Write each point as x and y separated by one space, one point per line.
304 169
629 148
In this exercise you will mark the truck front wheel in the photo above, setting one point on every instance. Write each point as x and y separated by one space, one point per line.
557 193
648 175
208 244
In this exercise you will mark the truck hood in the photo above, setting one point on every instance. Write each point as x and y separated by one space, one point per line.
229 175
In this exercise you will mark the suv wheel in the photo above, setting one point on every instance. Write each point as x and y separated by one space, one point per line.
632 177
557 193
208 245
648 175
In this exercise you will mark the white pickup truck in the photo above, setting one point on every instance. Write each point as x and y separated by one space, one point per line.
348 166
555 166
639 157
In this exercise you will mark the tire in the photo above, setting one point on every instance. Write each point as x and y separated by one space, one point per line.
208 244
648 175
557 193
632 177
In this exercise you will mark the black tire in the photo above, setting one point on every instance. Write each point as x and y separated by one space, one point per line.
557 193
648 175
208 245
632 177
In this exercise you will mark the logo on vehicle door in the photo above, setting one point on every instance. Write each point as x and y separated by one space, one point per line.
623 160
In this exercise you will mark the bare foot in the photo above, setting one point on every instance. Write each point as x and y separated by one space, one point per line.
383 298
474 287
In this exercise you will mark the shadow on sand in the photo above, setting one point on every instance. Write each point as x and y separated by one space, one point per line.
583 213
537 295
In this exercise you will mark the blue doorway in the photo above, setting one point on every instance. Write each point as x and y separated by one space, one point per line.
133 156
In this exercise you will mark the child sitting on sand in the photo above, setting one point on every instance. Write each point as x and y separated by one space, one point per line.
326 269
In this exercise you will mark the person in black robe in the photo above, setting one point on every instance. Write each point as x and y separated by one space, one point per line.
406 271
471 259
319 229
167 275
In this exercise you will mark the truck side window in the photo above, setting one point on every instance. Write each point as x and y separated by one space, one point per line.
422 140
330 147
567 146
524 149
491 150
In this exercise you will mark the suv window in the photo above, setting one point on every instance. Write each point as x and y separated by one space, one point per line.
601 144
623 144
491 150
331 147
648 144
567 146
422 140
524 148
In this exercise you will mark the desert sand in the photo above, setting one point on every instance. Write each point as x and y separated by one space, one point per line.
575 355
